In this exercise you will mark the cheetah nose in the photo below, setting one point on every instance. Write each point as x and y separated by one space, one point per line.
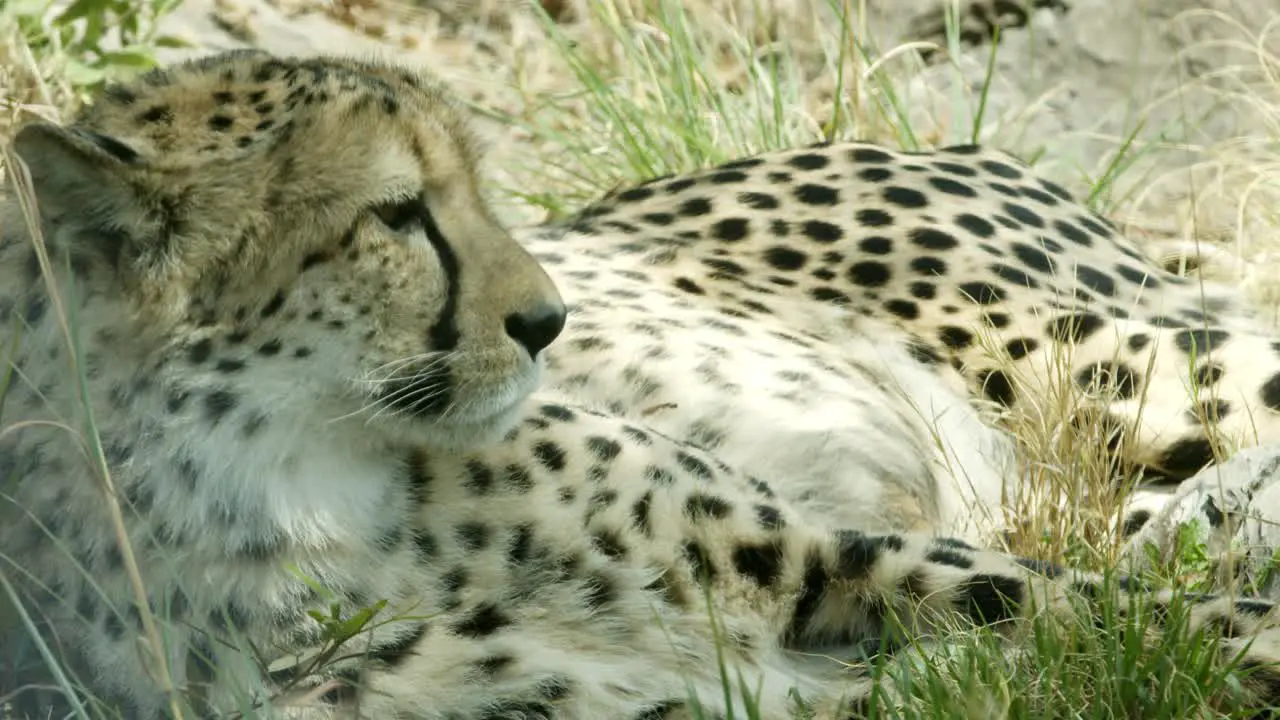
537 327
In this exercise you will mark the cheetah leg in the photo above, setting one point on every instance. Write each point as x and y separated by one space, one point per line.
596 604
931 584
1170 401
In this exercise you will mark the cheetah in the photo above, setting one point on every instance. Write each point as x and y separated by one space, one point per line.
323 376
976 22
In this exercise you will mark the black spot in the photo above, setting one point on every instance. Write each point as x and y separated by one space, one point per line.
762 563
904 309
699 561
472 536
1019 348
1072 233
756 201
952 187
983 293
869 274
1136 276
997 386
604 449
425 545
812 588
313 259
1014 275
479 478
1138 341
769 517
1023 215
811 194
1000 169
1211 512
640 513
822 232
826 294
557 412
1135 522
158 113
658 476
1257 608
119 94
550 455
1111 375
485 620
200 351
272 307
784 258
730 229
933 239
556 687
1200 341
990 598
493 664
876 245
1076 328
609 544
660 711
869 155
922 353
857 554
219 123
956 338
744 164
1034 258
218 403
691 208
635 194
699 505
1095 280
904 197
809 161
689 286
1162 321
1039 196
976 225
949 557
1186 457
929 265
520 548
923 290
872 217
693 465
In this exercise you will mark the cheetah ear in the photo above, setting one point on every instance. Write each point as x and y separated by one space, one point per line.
84 180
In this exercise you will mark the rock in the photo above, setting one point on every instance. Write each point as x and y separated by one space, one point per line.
1233 510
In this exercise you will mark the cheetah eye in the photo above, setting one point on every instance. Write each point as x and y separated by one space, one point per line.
402 215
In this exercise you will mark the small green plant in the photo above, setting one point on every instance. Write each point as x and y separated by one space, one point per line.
93 39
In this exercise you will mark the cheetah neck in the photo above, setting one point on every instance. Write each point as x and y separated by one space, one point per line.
294 480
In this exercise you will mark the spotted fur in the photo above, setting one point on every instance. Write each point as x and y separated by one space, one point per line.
316 362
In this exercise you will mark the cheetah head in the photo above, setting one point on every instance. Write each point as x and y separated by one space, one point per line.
307 231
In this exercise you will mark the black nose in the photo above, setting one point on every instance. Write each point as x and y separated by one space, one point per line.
537 327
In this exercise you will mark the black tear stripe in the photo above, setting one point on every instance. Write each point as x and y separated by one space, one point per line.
444 333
